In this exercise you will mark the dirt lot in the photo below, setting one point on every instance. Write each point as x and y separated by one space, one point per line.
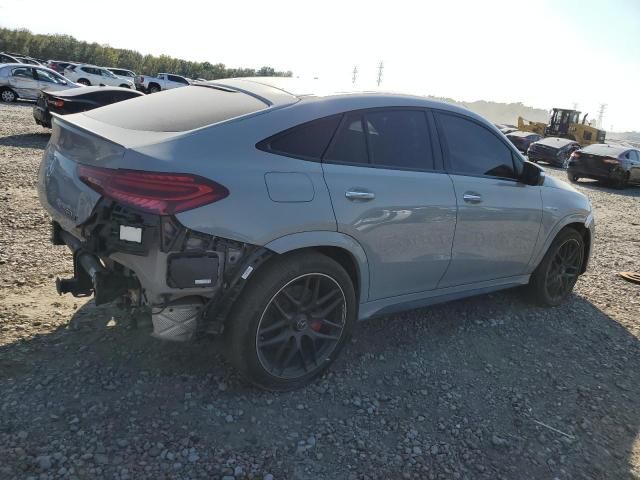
489 387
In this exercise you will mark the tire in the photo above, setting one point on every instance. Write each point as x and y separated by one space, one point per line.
573 178
85 82
154 88
543 285
254 335
8 95
620 181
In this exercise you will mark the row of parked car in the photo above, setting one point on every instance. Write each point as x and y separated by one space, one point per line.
89 75
617 165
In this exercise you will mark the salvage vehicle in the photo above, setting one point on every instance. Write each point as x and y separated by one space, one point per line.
522 140
162 81
552 150
59 65
93 75
24 82
277 218
618 166
77 100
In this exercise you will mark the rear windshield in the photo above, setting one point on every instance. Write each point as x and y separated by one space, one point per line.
178 110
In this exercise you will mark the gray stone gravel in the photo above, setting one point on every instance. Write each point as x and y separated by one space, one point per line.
485 388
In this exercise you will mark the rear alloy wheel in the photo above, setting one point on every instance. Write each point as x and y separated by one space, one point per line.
574 178
559 270
154 89
292 321
8 95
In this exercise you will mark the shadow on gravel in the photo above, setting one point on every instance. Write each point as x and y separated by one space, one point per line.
629 191
490 387
26 140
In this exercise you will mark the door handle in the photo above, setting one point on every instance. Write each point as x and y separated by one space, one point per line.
359 195
472 197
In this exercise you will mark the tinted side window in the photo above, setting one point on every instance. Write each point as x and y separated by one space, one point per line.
399 138
308 140
23 72
473 149
349 144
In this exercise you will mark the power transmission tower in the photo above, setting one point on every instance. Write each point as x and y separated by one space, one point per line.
603 108
355 75
380 69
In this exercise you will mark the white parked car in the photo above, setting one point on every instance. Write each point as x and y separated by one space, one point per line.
163 81
92 75
24 81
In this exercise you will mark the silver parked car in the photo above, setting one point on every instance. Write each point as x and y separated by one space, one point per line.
278 218
21 81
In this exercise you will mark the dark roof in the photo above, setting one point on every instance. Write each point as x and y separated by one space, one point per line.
79 91
605 149
520 134
555 142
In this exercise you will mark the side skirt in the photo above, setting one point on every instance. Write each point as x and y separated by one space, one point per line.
387 306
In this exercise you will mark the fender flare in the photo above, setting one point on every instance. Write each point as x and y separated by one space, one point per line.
586 220
296 241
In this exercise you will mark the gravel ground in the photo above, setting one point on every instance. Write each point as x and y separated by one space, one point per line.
485 388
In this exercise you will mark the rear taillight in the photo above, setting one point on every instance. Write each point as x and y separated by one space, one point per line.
154 192
575 155
56 102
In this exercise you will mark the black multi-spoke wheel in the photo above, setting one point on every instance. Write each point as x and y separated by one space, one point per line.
291 320
564 269
558 272
301 326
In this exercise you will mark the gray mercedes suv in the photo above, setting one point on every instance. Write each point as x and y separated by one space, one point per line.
276 217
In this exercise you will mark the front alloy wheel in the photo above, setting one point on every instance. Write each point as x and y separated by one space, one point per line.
8 96
559 270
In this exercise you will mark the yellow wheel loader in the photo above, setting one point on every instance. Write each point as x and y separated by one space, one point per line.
565 123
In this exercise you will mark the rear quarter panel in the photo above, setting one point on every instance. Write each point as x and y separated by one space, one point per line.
227 154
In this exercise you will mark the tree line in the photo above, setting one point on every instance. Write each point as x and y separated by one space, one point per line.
66 47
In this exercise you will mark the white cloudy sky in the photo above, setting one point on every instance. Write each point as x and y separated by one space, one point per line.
543 53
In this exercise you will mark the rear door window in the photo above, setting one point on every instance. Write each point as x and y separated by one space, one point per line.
307 141
399 139
23 72
349 144
473 149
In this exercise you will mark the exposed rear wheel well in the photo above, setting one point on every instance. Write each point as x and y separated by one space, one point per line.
341 256
586 236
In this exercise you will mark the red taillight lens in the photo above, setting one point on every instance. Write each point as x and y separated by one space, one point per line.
575 155
56 102
154 192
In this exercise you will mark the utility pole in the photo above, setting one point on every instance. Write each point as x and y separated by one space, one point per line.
603 108
355 75
380 69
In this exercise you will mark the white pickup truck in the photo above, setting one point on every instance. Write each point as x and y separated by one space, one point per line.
162 81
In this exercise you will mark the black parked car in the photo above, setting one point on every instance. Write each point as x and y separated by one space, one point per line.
618 166
522 140
77 100
553 150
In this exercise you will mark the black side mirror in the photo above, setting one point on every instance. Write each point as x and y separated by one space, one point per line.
532 174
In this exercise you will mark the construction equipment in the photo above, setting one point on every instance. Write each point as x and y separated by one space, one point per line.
565 123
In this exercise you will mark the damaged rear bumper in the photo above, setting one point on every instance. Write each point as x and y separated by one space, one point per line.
187 279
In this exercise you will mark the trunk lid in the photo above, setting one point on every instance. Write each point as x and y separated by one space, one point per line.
594 163
73 141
